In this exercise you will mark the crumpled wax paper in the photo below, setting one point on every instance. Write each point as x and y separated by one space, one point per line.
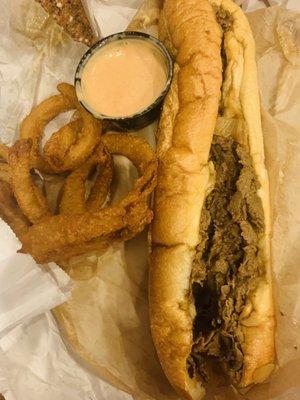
277 36
111 323
27 289
111 16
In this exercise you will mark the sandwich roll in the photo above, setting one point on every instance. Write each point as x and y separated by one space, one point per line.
210 285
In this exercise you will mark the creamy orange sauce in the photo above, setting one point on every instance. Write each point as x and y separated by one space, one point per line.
123 77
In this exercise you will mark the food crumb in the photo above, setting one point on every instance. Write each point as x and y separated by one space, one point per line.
59 5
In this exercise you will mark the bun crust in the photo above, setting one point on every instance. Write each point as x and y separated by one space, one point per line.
190 30
188 119
193 36
173 341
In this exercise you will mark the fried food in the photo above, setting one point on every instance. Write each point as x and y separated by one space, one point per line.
87 138
81 141
66 216
3 152
10 211
100 190
4 167
29 197
60 236
132 147
52 188
73 199
4 172
57 147
33 126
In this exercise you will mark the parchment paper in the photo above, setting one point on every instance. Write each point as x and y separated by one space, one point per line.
112 327
27 289
277 35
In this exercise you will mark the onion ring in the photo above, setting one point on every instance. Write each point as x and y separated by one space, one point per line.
33 126
4 152
87 138
52 188
60 236
10 212
144 217
4 167
29 197
5 172
128 146
73 200
100 189
57 147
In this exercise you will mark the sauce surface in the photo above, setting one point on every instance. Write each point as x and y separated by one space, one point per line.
123 77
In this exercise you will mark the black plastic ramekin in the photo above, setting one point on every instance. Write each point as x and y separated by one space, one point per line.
142 118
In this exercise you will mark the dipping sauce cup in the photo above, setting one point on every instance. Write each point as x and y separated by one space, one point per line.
124 78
